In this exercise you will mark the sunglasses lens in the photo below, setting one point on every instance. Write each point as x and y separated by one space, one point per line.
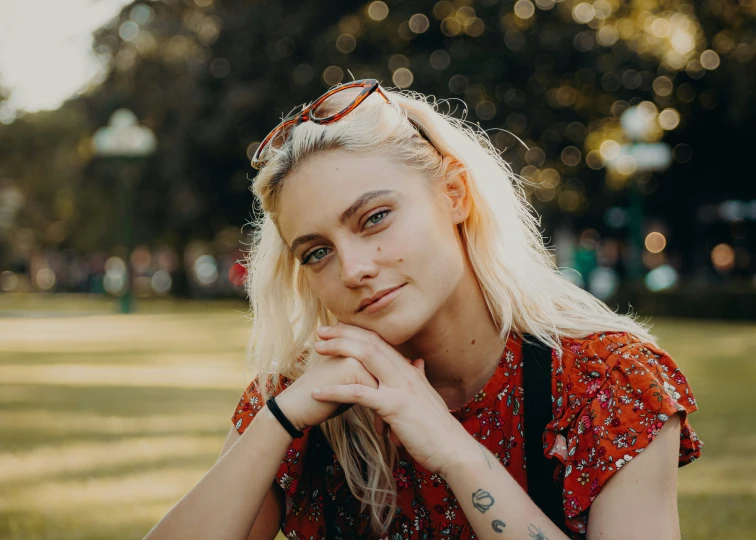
278 138
336 102
281 136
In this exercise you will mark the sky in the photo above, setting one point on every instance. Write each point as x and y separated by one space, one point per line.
45 50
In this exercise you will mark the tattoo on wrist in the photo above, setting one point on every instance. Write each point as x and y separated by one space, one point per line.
536 533
498 525
484 454
482 500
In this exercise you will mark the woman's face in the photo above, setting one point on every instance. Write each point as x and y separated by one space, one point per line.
360 224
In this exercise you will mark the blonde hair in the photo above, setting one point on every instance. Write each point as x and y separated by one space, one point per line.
523 288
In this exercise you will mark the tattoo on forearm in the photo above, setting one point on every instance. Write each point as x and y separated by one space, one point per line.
482 500
536 533
498 525
485 455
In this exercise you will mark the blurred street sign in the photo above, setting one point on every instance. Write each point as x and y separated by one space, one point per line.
123 136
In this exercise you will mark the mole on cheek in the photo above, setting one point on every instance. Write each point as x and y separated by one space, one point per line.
400 259
379 249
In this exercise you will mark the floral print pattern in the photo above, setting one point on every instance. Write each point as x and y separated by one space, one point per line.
611 394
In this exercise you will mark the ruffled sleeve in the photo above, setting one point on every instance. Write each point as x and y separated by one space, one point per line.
250 403
611 396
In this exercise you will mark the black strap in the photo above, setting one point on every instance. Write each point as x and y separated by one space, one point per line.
281 417
537 396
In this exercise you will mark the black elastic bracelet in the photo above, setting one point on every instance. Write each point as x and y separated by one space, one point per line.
278 413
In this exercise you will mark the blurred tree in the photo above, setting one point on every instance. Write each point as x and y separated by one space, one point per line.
42 154
211 78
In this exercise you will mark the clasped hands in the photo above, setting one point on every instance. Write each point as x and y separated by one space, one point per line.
404 400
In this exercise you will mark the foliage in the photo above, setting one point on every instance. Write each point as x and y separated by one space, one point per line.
211 78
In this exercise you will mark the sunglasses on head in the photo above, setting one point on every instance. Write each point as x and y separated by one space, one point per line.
323 110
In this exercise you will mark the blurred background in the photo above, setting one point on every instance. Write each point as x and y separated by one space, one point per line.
126 130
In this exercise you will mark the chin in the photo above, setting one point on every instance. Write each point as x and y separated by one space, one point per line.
395 329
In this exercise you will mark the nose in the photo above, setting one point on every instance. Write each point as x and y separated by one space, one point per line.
357 263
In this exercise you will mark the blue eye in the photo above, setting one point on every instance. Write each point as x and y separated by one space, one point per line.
377 214
306 259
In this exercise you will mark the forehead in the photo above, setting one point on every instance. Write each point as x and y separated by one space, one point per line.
317 192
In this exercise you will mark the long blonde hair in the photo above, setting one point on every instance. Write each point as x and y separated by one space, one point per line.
524 290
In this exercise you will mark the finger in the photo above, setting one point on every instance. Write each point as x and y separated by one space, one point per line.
350 393
420 365
376 359
341 329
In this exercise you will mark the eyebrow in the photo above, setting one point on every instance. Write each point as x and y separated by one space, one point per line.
355 207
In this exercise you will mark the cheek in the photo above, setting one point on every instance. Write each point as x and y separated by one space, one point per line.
415 234
436 254
323 288
330 290
426 244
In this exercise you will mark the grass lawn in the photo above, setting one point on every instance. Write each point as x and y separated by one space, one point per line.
107 420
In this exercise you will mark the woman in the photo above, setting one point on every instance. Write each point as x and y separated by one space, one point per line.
404 232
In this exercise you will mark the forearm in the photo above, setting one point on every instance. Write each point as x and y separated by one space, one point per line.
226 501
492 500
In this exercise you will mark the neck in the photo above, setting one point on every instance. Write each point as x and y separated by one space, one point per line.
460 345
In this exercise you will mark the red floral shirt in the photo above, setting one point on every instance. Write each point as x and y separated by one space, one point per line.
611 394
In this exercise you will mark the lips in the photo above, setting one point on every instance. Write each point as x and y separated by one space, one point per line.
377 296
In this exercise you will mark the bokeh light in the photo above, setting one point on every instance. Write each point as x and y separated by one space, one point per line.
450 27
161 282
723 257
402 78
346 43
583 13
333 75
419 23
8 281
661 278
205 270
603 283
237 274
669 119
116 277
378 10
610 150
655 242
45 279
710 59
440 59
524 9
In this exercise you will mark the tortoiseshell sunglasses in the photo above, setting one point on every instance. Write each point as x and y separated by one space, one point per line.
280 133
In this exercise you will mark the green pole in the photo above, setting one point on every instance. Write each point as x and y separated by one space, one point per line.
126 301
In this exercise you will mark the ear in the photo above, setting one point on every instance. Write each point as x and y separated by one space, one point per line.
456 190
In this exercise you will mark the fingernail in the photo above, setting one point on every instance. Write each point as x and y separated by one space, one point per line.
319 344
324 329
315 391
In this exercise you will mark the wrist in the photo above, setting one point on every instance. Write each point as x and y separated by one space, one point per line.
265 416
286 409
461 455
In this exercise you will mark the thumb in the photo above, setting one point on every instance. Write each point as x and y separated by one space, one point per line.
419 364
